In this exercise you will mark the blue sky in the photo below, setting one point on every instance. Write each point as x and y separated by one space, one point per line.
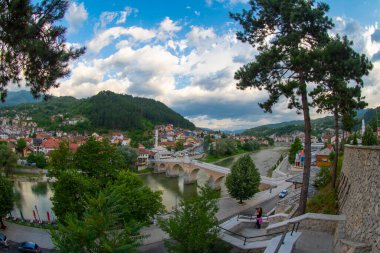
184 53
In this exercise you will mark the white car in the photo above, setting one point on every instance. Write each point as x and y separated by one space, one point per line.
3 240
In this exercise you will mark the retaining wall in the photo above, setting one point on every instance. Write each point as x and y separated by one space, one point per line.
359 194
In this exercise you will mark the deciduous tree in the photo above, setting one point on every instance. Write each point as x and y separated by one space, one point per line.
8 159
294 148
244 180
21 144
6 198
193 227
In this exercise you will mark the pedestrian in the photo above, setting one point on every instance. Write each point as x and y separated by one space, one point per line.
259 218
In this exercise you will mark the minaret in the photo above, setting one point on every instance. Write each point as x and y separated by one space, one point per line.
156 139
363 127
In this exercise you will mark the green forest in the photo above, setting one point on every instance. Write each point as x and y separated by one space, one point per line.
104 111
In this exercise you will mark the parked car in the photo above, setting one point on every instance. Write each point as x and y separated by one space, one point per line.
3 240
283 193
29 247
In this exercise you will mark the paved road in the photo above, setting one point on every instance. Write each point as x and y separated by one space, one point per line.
13 248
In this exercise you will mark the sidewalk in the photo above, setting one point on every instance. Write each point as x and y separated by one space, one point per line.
19 233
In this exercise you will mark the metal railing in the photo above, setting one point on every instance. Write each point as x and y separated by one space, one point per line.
294 228
246 238
250 217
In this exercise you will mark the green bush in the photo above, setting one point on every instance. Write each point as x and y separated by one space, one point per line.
325 201
323 177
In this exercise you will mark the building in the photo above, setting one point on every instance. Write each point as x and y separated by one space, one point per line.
323 156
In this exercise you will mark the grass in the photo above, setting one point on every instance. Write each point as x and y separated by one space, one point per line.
212 159
144 171
33 225
325 201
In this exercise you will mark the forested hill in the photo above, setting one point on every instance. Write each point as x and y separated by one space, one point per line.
371 117
106 110
19 97
284 128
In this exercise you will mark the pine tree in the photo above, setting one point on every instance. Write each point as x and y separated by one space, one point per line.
340 64
289 35
33 46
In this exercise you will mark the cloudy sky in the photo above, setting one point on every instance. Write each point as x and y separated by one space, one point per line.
184 53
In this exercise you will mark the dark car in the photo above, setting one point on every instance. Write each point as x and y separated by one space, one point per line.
29 247
3 240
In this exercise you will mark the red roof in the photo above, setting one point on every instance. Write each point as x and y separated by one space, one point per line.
50 143
73 147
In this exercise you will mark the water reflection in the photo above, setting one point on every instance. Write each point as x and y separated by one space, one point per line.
31 194
173 188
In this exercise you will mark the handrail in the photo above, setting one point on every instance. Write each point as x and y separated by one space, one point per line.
294 228
248 237
250 216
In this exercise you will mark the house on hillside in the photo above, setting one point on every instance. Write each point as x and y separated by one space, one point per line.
323 156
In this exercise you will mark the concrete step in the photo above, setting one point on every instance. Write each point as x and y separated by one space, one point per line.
287 246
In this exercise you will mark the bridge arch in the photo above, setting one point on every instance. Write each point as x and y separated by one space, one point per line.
174 171
215 182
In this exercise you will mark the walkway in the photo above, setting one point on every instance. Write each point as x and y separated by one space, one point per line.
19 233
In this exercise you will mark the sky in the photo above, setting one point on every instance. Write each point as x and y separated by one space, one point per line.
184 53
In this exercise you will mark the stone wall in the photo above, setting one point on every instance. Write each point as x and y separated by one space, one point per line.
359 194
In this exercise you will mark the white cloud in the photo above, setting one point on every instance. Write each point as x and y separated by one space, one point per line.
124 14
192 71
75 16
197 13
104 38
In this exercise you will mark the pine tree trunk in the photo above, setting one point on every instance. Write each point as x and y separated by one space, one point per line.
335 165
307 148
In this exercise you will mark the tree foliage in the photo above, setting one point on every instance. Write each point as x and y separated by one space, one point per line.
71 191
21 144
179 146
294 148
6 197
101 229
369 138
38 159
251 145
193 225
7 158
130 156
33 46
244 180
99 159
61 159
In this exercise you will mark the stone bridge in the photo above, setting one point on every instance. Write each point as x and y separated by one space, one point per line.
189 170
